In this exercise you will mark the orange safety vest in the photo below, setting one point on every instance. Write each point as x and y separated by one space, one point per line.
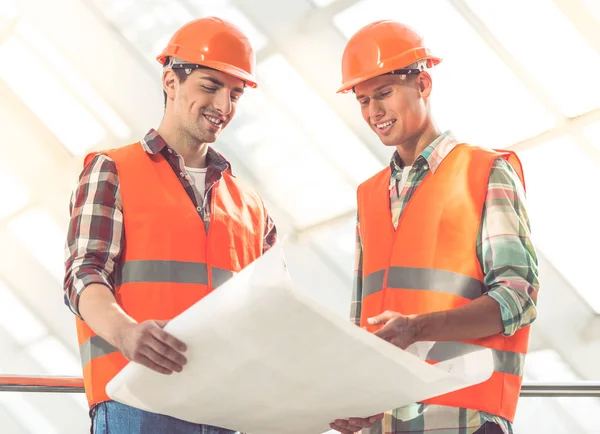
429 263
169 262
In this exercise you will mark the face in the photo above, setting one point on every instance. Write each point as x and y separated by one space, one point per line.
204 103
395 108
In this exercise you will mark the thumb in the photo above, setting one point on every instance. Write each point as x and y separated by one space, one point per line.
161 323
382 318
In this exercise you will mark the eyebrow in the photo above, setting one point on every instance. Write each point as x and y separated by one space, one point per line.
378 88
221 84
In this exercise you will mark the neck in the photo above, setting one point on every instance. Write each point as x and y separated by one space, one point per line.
414 145
191 150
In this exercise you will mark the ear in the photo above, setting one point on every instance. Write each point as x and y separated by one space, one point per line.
169 80
425 84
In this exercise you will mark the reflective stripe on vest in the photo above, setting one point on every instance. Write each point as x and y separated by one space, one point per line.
94 347
153 271
426 279
172 272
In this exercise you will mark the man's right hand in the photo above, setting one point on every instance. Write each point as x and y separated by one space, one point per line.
144 343
148 344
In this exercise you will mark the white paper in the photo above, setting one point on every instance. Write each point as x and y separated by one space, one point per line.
265 359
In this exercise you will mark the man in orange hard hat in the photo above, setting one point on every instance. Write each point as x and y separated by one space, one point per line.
444 253
159 224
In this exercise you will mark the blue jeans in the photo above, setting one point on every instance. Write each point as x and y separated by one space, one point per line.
112 417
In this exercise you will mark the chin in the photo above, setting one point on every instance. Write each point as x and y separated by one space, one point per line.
388 141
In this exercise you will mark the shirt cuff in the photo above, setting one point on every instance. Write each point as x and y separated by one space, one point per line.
516 311
80 284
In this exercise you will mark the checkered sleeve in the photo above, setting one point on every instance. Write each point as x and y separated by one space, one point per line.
95 236
356 301
505 249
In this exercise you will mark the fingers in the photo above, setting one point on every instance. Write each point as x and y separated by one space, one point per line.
376 418
382 318
166 351
166 338
344 427
354 424
159 359
143 360
385 332
148 344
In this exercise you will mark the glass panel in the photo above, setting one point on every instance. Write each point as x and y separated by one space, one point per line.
592 132
150 24
561 415
8 9
54 357
334 139
17 319
47 98
39 233
554 174
12 191
69 75
45 413
297 175
555 53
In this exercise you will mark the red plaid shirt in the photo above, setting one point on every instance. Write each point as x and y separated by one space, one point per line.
95 239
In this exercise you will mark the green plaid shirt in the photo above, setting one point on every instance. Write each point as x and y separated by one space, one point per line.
509 264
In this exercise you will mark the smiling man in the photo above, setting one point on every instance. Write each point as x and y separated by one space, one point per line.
443 242
157 225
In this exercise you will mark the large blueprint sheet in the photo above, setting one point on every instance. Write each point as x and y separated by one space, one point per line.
265 359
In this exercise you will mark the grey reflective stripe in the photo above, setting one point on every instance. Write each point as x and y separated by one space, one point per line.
435 280
373 282
164 271
507 362
94 347
220 276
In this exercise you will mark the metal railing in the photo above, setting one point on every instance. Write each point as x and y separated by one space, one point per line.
44 384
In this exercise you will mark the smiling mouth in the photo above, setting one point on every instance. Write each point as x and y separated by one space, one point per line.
384 125
215 121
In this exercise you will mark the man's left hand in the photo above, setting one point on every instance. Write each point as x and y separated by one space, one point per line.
400 330
354 424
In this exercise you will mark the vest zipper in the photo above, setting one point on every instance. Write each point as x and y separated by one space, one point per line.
210 225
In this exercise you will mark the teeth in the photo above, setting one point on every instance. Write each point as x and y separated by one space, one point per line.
384 125
214 120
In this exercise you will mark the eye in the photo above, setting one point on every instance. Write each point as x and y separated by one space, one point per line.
385 93
235 98
364 102
209 89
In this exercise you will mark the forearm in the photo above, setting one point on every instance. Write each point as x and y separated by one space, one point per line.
102 313
479 319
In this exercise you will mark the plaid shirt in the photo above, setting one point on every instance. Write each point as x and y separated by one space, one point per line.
509 264
95 239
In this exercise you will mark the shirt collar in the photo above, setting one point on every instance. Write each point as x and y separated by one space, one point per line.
153 143
432 155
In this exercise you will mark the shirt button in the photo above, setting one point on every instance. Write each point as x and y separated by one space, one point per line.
169 151
426 167
396 225
199 208
182 174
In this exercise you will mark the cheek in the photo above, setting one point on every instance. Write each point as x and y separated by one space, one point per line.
365 113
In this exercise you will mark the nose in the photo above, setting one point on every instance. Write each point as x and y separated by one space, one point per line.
376 110
222 102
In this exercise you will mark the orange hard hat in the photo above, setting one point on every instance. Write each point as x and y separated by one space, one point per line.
214 43
380 48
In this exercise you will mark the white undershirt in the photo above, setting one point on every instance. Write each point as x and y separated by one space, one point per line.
198 179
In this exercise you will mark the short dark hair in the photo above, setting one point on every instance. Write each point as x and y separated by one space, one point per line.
181 76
